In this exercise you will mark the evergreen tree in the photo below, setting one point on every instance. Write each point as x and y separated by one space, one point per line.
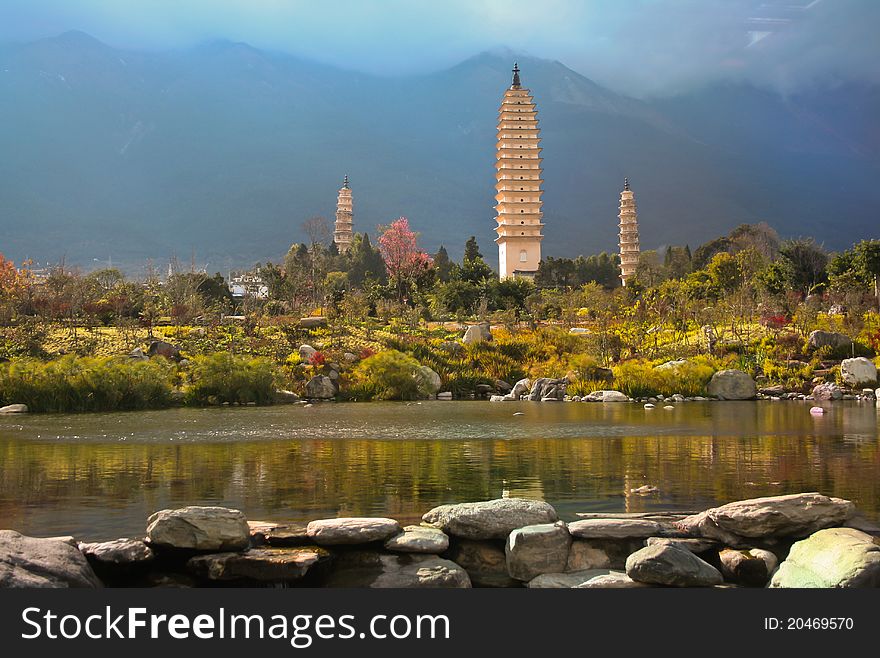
472 249
443 265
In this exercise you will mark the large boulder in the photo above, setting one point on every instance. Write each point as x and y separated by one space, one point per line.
261 564
14 409
835 557
410 570
484 561
565 580
490 519
537 549
161 348
418 539
477 333
606 396
306 352
585 554
547 388
831 339
429 380
521 388
118 556
827 392
313 322
614 528
612 580
732 385
670 565
749 567
793 515
320 387
332 532
858 372
199 529
275 534
31 562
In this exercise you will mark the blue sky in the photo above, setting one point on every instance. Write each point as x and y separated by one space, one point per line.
641 47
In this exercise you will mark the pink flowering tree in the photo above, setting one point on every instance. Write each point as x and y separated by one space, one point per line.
404 261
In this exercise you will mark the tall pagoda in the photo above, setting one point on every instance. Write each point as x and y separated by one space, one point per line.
629 234
342 233
518 183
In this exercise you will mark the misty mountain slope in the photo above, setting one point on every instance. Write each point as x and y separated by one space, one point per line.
224 150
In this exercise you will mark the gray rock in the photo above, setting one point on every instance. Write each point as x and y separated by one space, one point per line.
732 384
612 580
353 530
313 322
547 388
14 409
694 545
349 357
502 386
118 553
199 529
565 580
262 564
835 557
858 371
418 539
749 567
477 333
537 549
832 339
671 365
498 398
827 392
446 395
286 397
163 349
429 380
670 565
43 563
306 352
484 561
522 387
607 396
137 354
614 528
407 570
793 515
585 554
278 535
320 387
491 519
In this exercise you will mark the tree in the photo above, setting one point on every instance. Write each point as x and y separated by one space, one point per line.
808 261
472 249
868 252
365 262
404 261
443 265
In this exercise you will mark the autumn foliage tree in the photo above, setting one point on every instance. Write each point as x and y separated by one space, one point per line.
404 261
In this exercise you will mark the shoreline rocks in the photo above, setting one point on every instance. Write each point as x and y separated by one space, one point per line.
199 529
491 519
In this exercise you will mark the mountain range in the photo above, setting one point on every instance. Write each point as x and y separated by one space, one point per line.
220 152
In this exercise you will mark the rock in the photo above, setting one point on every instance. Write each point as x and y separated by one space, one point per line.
607 396
671 365
408 570
545 387
477 333
817 411
349 357
320 387
161 348
306 352
649 406
564 580
671 565
262 564
313 322
286 397
446 395
502 386
858 371
137 354
836 557
491 519
31 562
288 534
430 381
694 545
119 553
498 398
199 529
614 528
522 387
418 539
750 568
332 532
645 490
537 549
793 515
831 339
585 554
827 392
732 385
484 561
14 409
611 580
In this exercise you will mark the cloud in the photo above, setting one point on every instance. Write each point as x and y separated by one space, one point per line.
641 47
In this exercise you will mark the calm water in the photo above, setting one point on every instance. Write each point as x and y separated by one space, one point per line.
99 476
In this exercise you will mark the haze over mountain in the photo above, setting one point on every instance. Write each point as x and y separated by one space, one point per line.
224 150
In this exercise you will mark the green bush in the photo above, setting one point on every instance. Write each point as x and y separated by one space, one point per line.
74 384
641 379
224 377
388 375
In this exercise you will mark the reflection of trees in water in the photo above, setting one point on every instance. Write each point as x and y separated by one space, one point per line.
314 478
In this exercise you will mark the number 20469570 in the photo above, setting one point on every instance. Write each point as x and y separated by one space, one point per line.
809 623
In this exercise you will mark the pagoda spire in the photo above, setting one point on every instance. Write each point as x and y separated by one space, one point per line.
518 183
629 234
343 231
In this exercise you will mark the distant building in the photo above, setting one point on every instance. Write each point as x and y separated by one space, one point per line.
247 284
342 233
518 183
629 234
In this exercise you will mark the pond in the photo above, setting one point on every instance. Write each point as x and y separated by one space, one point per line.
99 476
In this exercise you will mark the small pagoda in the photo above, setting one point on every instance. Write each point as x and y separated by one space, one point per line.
629 234
518 186
342 233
